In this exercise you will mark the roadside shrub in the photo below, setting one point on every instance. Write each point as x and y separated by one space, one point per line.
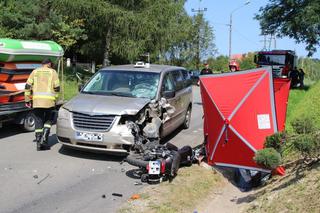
268 158
307 144
275 141
303 125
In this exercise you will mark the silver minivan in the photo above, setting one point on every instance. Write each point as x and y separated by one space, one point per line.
97 118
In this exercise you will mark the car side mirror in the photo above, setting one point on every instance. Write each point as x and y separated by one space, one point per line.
169 94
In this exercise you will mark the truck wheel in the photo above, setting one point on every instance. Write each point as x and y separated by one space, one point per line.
29 122
187 119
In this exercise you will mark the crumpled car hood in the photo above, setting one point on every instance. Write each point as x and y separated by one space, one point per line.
100 104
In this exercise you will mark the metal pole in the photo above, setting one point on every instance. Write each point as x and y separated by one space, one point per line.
230 27
230 35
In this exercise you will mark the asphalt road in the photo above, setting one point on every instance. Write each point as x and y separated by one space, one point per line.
64 180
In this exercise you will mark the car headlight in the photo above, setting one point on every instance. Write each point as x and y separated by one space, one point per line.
63 113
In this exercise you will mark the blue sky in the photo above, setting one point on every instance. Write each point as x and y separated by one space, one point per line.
246 31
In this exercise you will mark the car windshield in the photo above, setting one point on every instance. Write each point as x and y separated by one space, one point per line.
271 59
124 83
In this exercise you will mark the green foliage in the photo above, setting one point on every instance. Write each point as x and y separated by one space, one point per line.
304 103
308 145
303 125
112 31
219 64
275 141
247 62
268 158
68 34
298 19
311 68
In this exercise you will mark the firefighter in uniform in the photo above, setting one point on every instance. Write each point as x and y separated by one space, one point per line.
40 94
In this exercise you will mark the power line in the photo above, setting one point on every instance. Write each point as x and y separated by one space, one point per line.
246 38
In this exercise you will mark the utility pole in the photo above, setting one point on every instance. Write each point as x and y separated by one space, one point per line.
199 12
230 26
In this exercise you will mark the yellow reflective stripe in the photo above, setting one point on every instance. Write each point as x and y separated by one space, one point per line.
44 97
30 81
47 125
27 92
44 93
38 130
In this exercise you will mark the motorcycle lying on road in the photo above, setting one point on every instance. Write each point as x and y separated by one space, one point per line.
159 162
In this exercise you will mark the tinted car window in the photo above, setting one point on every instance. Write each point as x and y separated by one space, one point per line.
168 84
186 78
178 79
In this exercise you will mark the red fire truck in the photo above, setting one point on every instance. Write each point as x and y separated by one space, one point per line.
281 61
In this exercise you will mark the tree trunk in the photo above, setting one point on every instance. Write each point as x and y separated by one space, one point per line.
106 55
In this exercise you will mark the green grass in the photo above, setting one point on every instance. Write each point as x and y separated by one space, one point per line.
304 103
71 82
70 89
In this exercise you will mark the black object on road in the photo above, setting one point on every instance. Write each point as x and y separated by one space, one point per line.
117 194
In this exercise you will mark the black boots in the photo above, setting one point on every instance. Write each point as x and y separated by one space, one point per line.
38 140
45 138
42 139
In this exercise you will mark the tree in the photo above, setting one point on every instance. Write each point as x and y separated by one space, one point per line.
202 43
219 64
110 31
298 19
38 19
247 62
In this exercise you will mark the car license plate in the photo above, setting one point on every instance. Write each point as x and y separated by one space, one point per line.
88 136
154 167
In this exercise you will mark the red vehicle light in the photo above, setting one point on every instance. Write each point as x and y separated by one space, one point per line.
163 167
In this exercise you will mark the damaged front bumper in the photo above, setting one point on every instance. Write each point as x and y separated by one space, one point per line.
118 139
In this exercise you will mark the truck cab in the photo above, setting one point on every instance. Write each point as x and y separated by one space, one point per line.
281 61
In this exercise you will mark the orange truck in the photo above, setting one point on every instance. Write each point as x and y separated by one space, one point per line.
17 60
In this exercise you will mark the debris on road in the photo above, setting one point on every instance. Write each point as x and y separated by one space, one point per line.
43 179
137 183
103 196
135 197
117 194
35 176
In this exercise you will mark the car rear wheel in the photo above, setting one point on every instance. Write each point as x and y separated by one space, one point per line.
187 119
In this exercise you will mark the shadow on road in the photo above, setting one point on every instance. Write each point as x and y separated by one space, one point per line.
52 140
78 153
9 130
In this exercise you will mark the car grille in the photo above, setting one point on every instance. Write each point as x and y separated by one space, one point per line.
92 122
